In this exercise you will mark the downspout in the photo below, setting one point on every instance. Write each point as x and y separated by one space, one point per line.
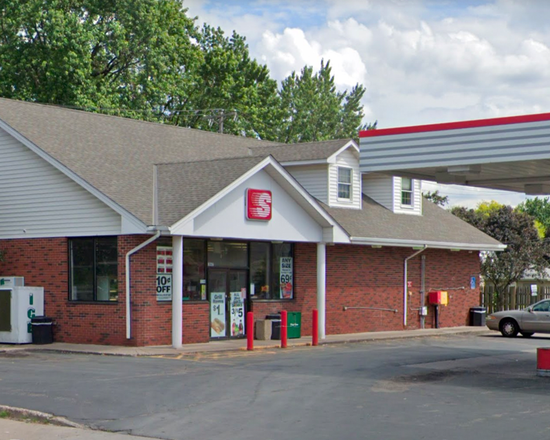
405 284
128 296
422 290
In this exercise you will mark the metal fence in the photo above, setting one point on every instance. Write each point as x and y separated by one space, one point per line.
517 297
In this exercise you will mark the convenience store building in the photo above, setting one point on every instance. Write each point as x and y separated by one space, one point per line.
148 234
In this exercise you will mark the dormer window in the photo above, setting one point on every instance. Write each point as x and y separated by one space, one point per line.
406 191
344 183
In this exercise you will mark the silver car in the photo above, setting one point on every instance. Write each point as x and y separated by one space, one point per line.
532 319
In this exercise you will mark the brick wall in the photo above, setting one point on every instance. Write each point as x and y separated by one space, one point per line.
44 262
360 276
357 276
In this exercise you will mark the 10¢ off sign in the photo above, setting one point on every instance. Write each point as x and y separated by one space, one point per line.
164 273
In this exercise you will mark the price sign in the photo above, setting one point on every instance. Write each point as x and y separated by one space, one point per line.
237 313
285 280
164 287
164 273
217 315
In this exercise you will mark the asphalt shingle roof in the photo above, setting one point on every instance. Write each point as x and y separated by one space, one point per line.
114 154
182 187
434 225
117 156
301 152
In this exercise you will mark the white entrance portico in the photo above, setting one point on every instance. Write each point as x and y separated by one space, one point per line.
295 217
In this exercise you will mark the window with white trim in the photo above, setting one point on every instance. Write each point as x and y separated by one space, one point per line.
406 191
344 183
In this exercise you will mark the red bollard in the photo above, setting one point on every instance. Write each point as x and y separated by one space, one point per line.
283 329
250 331
315 328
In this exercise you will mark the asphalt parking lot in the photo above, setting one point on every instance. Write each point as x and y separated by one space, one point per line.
447 388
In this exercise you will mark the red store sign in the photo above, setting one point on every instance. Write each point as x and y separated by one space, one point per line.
258 204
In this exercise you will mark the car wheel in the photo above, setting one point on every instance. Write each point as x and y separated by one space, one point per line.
509 328
526 334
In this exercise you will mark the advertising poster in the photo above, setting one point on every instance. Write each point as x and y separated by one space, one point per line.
237 313
217 315
286 277
164 273
164 287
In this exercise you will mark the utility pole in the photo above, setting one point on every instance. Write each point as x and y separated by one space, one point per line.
221 115
220 124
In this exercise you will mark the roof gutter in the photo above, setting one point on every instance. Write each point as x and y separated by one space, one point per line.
432 244
128 271
406 284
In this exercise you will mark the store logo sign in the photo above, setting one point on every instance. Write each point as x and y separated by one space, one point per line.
258 204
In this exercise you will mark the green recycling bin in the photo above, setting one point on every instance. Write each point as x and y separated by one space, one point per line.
294 325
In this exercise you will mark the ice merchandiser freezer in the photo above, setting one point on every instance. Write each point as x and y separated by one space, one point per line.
18 305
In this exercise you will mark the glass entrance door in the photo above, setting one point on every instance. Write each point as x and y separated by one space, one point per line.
227 292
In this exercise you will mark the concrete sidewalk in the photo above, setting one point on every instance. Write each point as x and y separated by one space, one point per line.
14 430
240 344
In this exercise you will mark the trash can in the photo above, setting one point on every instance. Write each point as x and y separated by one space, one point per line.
294 325
275 325
477 316
42 332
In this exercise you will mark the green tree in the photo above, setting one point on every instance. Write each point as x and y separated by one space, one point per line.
146 59
525 250
313 110
227 87
539 208
436 198
102 54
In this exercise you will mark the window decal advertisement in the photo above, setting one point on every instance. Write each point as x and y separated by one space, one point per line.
286 277
237 313
164 273
217 315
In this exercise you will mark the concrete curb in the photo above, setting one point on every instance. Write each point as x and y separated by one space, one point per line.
42 416
209 348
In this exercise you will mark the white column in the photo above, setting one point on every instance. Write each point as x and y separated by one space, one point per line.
321 287
177 290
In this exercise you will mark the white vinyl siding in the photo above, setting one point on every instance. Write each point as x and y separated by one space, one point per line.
379 188
349 160
37 200
313 178
416 207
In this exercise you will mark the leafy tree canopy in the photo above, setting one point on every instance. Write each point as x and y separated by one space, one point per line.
314 111
436 198
539 208
100 54
525 250
147 59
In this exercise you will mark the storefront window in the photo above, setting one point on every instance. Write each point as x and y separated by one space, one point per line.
260 270
194 276
93 269
271 271
227 254
270 267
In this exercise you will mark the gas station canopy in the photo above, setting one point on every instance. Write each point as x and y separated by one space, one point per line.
511 153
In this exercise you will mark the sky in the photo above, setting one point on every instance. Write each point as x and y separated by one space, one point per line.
421 61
